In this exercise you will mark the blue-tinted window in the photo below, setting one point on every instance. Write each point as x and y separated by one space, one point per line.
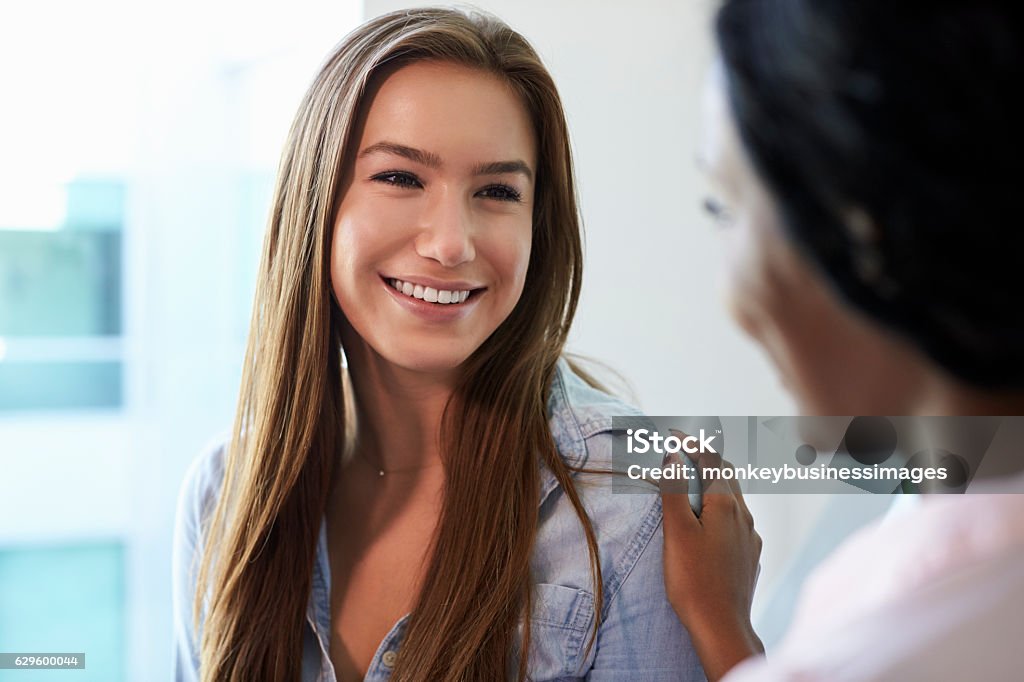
60 304
64 599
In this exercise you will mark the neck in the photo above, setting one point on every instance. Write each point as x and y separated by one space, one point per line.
398 410
991 455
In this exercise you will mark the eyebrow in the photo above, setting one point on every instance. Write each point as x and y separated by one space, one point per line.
500 167
432 160
428 159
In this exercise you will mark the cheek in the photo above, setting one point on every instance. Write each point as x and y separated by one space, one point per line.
353 240
353 258
752 291
522 259
776 299
343 251
509 256
362 239
771 297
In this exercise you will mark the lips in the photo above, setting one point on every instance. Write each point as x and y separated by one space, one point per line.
457 308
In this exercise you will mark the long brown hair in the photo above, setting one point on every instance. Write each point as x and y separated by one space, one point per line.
290 427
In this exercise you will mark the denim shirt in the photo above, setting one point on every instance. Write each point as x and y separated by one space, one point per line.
639 636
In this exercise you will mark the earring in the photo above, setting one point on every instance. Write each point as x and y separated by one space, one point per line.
866 256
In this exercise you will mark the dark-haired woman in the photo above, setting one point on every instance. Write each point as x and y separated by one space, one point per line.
866 158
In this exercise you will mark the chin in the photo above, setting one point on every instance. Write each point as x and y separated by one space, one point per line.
427 363
819 400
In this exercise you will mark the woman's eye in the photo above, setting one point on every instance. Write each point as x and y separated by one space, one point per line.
397 178
717 210
501 193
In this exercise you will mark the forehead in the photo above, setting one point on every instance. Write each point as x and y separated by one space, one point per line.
451 110
720 152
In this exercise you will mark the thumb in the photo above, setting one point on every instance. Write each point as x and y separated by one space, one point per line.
675 503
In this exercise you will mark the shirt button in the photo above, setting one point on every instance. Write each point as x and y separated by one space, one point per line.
388 659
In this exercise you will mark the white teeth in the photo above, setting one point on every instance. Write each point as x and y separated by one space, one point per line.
429 294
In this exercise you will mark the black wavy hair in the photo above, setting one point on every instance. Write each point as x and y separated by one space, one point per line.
904 117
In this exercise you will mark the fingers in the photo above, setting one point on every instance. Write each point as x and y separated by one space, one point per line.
675 502
701 461
742 503
718 489
699 458
713 481
677 513
735 497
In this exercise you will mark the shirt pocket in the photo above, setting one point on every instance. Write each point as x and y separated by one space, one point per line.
560 627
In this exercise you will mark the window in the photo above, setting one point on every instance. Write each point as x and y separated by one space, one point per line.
64 599
60 299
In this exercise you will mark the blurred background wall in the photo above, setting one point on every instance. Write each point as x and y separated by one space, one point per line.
138 144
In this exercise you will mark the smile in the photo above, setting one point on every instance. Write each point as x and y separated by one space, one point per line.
429 294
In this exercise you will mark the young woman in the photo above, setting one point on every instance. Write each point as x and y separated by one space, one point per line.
413 509
867 162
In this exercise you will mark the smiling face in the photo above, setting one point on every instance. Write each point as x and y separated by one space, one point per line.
833 360
433 233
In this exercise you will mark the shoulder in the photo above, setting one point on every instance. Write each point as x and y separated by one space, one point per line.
912 553
639 635
935 594
625 523
201 484
579 412
198 494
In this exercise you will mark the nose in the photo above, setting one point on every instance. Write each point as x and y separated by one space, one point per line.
446 231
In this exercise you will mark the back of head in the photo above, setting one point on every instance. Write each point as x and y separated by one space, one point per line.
891 136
